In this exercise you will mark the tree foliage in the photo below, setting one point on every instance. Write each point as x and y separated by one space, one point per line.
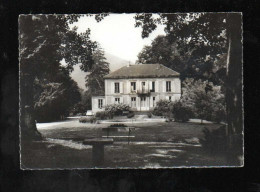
53 100
192 45
44 41
207 103
214 35
95 78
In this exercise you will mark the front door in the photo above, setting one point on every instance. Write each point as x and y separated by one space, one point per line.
144 106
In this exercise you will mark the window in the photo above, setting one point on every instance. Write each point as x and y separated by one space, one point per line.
153 101
168 86
170 98
100 103
133 86
117 88
117 100
153 87
133 101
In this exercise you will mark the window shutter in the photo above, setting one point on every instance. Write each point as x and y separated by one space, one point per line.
95 103
121 87
112 87
128 87
164 86
128 98
173 86
156 86
178 86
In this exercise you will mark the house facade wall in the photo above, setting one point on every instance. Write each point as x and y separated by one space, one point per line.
95 103
145 100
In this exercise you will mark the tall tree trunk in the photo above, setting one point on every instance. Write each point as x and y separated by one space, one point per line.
234 85
27 121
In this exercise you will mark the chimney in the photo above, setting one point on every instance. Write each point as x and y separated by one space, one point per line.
128 64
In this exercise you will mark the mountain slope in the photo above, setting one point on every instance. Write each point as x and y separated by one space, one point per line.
114 64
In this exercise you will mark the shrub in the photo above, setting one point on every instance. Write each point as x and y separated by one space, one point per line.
87 120
104 115
130 115
93 119
161 108
180 111
118 125
84 119
117 109
149 115
78 108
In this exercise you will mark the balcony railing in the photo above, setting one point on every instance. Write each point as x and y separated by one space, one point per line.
143 92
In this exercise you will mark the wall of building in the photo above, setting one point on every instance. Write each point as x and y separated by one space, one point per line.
125 93
94 102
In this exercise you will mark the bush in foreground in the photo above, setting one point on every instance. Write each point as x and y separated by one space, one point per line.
118 125
161 108
180 112
87 120
101 115
117 109
130 115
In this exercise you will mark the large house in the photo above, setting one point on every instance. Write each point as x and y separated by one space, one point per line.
139 86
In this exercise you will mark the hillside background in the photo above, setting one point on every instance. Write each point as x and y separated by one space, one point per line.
114 64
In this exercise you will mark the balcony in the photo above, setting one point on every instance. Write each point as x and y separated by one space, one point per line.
143 92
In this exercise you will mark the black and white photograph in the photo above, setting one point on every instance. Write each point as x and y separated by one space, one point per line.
139 90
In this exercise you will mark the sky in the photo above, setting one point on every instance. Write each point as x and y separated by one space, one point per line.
117 35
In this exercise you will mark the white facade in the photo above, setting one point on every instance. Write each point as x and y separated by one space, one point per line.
141 94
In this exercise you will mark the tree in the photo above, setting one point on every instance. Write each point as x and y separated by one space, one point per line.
44 40
170 54
234 85
53 100
205 98
213 34
95 79
192 44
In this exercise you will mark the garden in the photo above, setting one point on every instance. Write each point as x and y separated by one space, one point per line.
188 132
160 144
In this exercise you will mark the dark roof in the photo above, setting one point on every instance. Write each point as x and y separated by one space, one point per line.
142 71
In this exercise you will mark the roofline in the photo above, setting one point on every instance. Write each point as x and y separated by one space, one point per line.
98 96
141 77
148 76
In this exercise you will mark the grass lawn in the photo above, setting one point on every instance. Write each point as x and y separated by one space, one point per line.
156 144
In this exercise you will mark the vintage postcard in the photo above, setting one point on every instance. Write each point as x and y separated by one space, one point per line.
131 90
